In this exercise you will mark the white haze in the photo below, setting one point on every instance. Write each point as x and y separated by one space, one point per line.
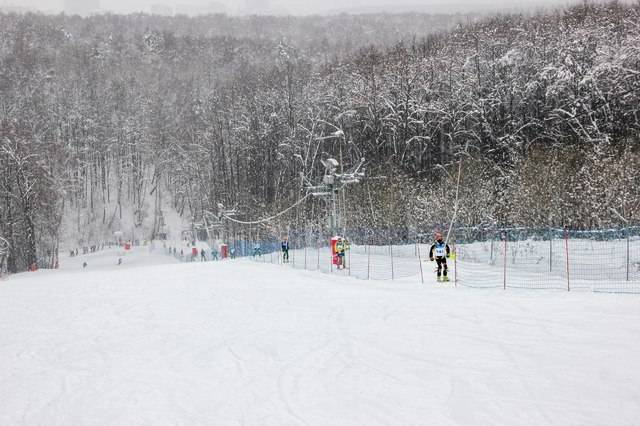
306 7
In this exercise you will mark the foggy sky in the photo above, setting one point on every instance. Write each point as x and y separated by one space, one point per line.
299 7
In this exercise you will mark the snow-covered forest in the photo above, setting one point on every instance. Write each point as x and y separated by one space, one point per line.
109 120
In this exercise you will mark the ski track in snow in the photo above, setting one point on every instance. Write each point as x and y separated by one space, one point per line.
240 343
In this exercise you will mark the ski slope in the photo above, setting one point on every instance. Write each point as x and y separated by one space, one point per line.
153 342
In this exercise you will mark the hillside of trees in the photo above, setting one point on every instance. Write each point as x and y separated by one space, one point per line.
106 121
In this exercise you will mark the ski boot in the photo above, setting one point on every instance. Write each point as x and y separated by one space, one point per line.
445 279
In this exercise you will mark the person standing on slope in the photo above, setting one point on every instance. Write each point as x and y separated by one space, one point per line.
284 245
440 252
341 248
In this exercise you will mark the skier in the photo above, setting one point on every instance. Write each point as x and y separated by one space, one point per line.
341 248
440 252
284 245
203 256
256 250
119 261
214 254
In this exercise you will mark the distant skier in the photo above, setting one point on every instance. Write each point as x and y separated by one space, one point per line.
84 265
284 245
341 249
215 251
233 253
119 261
203 255
256 250
440 252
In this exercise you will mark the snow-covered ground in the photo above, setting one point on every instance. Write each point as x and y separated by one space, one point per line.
238 342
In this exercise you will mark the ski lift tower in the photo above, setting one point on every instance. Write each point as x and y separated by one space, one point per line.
225 213
332 183
211 222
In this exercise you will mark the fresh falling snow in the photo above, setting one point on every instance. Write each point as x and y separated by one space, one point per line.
235 342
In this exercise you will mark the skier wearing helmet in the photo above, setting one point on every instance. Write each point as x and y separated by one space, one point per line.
440 252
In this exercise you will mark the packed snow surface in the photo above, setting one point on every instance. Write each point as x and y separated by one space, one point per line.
236 342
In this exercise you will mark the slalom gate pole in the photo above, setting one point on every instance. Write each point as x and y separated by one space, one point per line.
368 263
420 263
550 251
391 255
455 267
504 272
566 249
331 259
